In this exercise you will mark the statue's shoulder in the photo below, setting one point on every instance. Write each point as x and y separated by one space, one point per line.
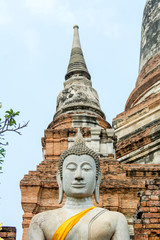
117 215
112 215
42 217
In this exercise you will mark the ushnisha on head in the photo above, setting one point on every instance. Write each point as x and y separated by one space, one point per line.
71 155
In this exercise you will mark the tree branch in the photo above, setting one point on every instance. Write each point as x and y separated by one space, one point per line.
13 129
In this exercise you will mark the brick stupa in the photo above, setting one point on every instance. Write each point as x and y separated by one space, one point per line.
138 127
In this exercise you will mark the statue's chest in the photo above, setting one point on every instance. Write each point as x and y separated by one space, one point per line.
91 229
78 232
93 226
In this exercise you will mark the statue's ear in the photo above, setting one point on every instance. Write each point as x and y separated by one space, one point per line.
96 192
59 181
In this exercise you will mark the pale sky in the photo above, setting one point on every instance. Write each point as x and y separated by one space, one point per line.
35 44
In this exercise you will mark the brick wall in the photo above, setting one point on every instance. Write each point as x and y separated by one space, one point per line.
8 233
147 220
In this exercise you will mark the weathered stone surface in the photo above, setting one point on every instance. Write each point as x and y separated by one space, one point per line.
150 41
138 131
78 94
77 63
147 89
148 82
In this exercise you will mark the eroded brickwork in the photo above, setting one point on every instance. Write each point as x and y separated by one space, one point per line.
147 221
138 131
8 233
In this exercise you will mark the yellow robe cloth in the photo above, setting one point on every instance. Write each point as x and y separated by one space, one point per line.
65 227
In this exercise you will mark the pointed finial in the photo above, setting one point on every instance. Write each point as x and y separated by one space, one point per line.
76 41
76 26
79 137
77 63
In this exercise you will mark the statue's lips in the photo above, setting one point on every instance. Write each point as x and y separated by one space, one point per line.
78 185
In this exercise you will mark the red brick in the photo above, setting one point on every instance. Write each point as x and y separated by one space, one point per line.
156 192
155 231
151 215
141 237
145 209
153 203
154 220
148 192
156 198
153 209
153 238
137 226
146 220
152 226
3 234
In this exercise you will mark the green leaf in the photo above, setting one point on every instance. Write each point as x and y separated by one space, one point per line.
16 113
8 112
11 111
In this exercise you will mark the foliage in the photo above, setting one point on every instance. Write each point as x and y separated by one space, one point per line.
8 124
1 226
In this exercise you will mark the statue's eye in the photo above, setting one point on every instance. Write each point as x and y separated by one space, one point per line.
71 167
86 167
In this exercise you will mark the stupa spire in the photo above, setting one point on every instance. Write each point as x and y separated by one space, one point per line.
77 63
76 40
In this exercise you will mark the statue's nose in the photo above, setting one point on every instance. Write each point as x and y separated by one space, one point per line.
78 175
79 178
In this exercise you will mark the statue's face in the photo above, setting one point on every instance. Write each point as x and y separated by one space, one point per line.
79 176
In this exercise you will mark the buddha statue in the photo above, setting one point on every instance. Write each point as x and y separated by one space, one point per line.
79 178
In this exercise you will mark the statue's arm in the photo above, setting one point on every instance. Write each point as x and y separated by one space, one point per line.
122 231
35 232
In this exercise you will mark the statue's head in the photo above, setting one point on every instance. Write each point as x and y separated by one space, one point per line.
79 172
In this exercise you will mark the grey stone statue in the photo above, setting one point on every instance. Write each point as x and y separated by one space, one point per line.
79 178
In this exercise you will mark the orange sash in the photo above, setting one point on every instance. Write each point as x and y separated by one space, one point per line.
65 227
